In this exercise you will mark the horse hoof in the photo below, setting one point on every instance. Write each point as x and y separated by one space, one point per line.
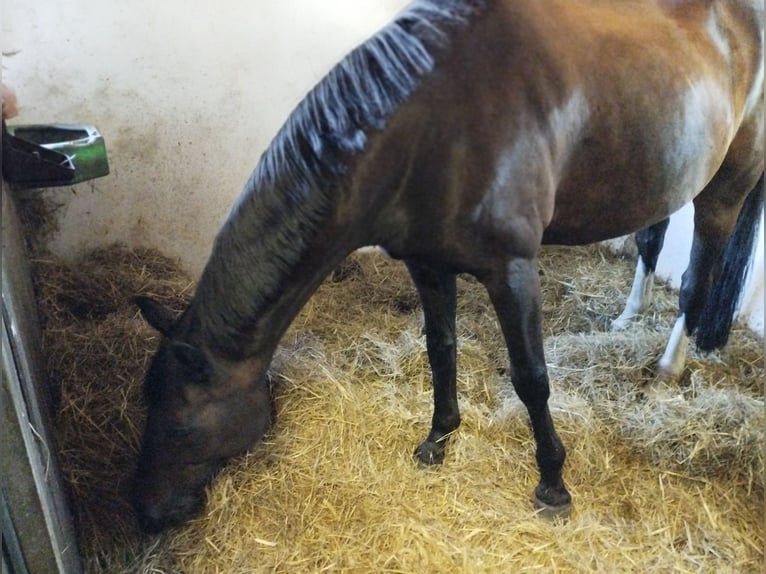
667 372
620 324
429 453
551 512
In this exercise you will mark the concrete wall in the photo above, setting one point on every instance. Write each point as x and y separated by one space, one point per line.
188 95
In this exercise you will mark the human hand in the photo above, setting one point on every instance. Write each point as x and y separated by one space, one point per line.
10 103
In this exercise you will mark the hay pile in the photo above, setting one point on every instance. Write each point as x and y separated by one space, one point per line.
665 476
96 351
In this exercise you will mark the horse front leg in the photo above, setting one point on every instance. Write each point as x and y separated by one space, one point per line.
438 295
649 242
515 294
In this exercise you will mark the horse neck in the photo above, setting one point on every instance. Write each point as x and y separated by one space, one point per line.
287 230
266 263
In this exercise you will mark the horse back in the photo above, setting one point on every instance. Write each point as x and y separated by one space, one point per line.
564 121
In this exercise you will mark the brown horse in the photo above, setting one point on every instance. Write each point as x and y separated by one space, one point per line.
460 137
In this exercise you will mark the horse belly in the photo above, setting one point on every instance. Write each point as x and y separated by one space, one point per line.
647 169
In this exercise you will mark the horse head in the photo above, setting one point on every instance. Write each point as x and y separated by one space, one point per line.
201 411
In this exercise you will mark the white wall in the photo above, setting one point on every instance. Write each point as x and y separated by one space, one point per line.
187 96
752 308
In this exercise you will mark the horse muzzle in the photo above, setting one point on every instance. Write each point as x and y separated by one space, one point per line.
155 516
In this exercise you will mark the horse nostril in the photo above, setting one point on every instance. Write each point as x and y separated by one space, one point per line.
150 517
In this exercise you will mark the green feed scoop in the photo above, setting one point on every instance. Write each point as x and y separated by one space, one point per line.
50 155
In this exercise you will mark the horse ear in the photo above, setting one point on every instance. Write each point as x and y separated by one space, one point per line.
195 364
157 315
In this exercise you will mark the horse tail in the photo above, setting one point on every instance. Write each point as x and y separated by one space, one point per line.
718 314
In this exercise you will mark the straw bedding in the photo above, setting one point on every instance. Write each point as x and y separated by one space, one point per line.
666 476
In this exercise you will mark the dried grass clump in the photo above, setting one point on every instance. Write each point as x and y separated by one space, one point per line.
666 476
96 350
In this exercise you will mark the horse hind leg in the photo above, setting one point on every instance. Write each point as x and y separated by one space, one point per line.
515 294
438 294
696 281
718 258
649 242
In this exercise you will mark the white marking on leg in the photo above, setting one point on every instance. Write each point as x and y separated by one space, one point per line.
639 298
673 360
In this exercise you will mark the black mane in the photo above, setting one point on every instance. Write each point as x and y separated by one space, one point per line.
292 187
357 96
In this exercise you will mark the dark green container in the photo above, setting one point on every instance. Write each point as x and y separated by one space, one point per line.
52 155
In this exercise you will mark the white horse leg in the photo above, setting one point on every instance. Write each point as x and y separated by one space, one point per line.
639 298
674 358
